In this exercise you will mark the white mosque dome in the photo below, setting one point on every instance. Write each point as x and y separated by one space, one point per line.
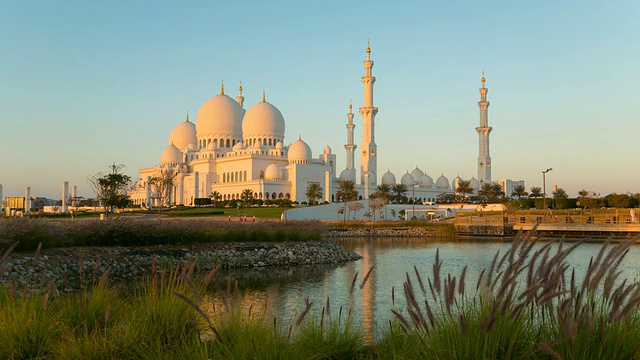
183 135
272 172
388 178
263 120
220 115
408 179
426 181
211 146
417 173
475 184
191 146
348 175
299 152
171 155
279 145
442 182
327 150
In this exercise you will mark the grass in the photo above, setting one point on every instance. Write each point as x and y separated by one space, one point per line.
31 233
528 304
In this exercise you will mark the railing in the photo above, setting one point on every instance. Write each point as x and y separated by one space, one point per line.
604 216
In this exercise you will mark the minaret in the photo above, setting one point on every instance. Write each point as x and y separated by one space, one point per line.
240 98
484 160
368 160
350 146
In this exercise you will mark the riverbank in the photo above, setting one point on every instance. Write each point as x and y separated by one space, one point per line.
389 229
72 268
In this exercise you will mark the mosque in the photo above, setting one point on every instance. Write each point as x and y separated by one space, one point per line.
230 149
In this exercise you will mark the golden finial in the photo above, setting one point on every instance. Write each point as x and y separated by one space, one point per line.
299 137
482 78
222 88
368 47
187 117
263 96
240 88
350 105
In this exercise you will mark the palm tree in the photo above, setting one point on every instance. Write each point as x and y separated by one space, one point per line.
314 192
399 192
246 196
536 192
383 191
491 192
215 196
464 188
559 193
347 191
519 191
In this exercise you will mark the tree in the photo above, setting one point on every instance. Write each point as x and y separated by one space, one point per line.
347 191
621 200
559 193
519 191
491 192
354 206
464 188
314 193
110 188
383 191
446 199
536 192
162 185
246 196
376 204
399 192
215 197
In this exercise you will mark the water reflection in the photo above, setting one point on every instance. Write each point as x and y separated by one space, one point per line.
282 291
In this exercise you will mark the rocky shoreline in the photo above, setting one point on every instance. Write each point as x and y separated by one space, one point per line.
409 231
73 268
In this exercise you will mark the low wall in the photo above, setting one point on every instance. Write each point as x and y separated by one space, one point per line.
484 229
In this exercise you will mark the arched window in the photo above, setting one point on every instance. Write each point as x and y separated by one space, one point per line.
228 143
287 196
245 175
280 196
259 195
269 141
233 143
273 196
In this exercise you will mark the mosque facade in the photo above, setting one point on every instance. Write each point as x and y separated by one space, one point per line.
229 149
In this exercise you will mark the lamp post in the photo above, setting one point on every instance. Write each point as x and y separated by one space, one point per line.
413 200
544 188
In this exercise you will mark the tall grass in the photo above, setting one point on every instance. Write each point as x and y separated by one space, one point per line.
528 304
28 233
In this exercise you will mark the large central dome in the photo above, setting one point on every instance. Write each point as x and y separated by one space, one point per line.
263 121
220 116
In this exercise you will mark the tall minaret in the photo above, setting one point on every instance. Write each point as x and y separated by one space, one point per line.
240 98
350 146
484 160
368 160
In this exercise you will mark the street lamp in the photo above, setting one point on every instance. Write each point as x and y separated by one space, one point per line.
413 200
544 188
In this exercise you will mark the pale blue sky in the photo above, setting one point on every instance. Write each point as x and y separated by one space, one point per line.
85 84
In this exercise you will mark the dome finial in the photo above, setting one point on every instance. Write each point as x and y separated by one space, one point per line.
482 78
222 88
299 137
187 117
264 97
368 49
350 105
240 87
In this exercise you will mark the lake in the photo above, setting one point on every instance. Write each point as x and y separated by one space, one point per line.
284 290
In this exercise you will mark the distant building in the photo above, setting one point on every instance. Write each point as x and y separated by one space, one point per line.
508 185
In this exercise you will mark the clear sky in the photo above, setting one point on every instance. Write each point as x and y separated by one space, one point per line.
84 84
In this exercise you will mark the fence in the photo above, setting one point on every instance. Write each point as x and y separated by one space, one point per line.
603 216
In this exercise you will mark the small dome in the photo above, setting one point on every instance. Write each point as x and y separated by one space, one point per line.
211 146
348 174
407 179
183 135
220 115
426 181
417 173
475 184
272 172
327 150
388 178
263 120
191 147
238 146
171 155
279 145
299 151
442 182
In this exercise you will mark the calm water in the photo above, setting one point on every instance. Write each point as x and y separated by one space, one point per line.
284 290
